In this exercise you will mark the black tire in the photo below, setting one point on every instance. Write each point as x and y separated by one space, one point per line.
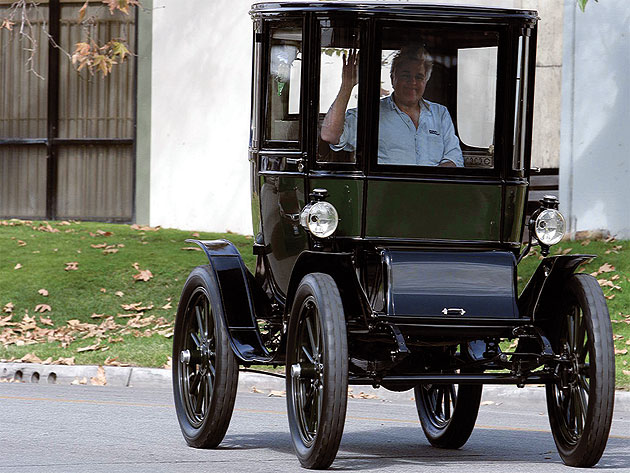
580 403
205 371
317 371
448 412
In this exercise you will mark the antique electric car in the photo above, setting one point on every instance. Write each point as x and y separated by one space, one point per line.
390 162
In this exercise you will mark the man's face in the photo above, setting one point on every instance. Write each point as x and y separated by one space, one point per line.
409 82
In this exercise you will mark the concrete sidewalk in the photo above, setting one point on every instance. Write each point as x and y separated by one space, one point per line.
250 382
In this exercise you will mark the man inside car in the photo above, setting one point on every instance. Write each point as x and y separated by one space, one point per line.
412 130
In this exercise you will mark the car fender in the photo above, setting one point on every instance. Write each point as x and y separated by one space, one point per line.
539 298
341 268
239 300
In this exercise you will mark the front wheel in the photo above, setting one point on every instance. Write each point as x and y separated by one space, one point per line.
317 371
448 412
580 402
205 371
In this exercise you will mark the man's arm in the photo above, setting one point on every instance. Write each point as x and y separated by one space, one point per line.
332 126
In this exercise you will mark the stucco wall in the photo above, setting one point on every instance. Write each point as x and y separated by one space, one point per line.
201 76
200 102
595 158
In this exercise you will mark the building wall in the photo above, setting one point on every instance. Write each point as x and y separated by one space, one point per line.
595 158
200 105
200 102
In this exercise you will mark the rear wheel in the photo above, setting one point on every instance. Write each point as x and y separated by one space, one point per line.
317 371
580 402
205 371
448 412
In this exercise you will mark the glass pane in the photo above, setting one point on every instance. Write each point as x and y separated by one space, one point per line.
476 95
283 90
338 94
438 86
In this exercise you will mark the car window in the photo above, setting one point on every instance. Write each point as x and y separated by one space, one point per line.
283 86
338 94
437 97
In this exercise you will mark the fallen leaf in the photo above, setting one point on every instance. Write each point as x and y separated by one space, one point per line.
626 372
167 306
277 394
97 316
255 390
119 293
611 297
100 245
95 347
72 266
110 251
43 292
21 243
47 361
487 403
144 228
30 358
103 290
605 268
363 395
79 381
42 308
82 11
195 234
169 363
100 379
64 361
621 352
143 275
114 362
137 306
18 266
45 320
8 307
567 251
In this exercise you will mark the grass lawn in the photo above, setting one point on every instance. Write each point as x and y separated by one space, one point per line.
99 313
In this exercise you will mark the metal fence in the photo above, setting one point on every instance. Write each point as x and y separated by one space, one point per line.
66 141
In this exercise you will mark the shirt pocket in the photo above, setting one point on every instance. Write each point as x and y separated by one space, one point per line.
435 148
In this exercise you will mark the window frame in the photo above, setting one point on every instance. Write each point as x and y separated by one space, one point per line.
503 90
266 142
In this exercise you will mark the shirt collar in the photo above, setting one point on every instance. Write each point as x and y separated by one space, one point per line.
424 104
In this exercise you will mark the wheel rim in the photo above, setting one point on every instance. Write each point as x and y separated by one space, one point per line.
307 373
197 358
571 391
440 401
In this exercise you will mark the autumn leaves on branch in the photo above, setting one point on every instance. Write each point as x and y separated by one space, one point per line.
88 54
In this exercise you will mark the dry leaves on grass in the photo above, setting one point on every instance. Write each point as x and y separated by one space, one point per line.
255 390
169 363
615 249
604 268
45 227
41 308
43 292
45 321
143 275
21 243
145 228
114 362
8 307
71 266
17 266
621 351
119 293
95 347
137 306
626 372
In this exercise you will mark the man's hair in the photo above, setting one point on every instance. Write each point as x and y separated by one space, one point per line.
413 52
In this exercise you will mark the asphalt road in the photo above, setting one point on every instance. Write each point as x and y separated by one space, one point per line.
56 428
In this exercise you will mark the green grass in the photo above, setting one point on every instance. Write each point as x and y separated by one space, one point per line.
91 289
79 294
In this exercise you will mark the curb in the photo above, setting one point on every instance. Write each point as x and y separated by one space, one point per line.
248 382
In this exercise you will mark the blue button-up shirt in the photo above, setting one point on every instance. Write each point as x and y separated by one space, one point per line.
400 143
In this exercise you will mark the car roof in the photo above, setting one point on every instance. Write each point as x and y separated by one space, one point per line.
392 8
